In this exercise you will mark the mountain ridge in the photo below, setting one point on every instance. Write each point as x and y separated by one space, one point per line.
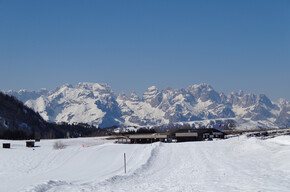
99 105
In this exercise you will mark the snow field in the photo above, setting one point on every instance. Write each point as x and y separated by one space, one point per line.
236 164
25 169
232 165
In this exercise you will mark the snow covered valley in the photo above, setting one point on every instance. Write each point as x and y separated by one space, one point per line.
96 164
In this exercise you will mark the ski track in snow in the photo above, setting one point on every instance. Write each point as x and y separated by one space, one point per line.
236 164
203 170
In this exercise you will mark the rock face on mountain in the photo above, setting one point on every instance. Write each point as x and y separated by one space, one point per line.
283 118
97 104
86 103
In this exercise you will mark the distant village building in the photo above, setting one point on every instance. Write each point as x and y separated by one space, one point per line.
184 135
148 138
123 139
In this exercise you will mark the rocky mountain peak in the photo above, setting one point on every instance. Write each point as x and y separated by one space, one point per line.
65 86
204 92
96 104
240 93
263 99
152 89
95 87
203 87
25 95
134 97
122 96
150 94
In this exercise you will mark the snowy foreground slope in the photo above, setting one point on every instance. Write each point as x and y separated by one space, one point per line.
93 164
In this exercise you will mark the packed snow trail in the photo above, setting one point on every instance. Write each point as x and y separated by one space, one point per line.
237 164
246 165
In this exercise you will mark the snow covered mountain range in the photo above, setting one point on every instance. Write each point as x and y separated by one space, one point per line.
97 104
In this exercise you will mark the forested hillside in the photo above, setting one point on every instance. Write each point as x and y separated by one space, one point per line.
18 121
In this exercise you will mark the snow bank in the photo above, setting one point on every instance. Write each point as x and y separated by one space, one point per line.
283 140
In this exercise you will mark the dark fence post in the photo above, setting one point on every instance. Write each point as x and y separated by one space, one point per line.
125 163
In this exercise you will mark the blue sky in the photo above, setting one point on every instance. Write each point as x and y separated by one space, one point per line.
132 45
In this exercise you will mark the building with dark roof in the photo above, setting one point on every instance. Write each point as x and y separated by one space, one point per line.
202 134
148 138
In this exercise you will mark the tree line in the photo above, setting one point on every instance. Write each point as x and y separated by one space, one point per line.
18 121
